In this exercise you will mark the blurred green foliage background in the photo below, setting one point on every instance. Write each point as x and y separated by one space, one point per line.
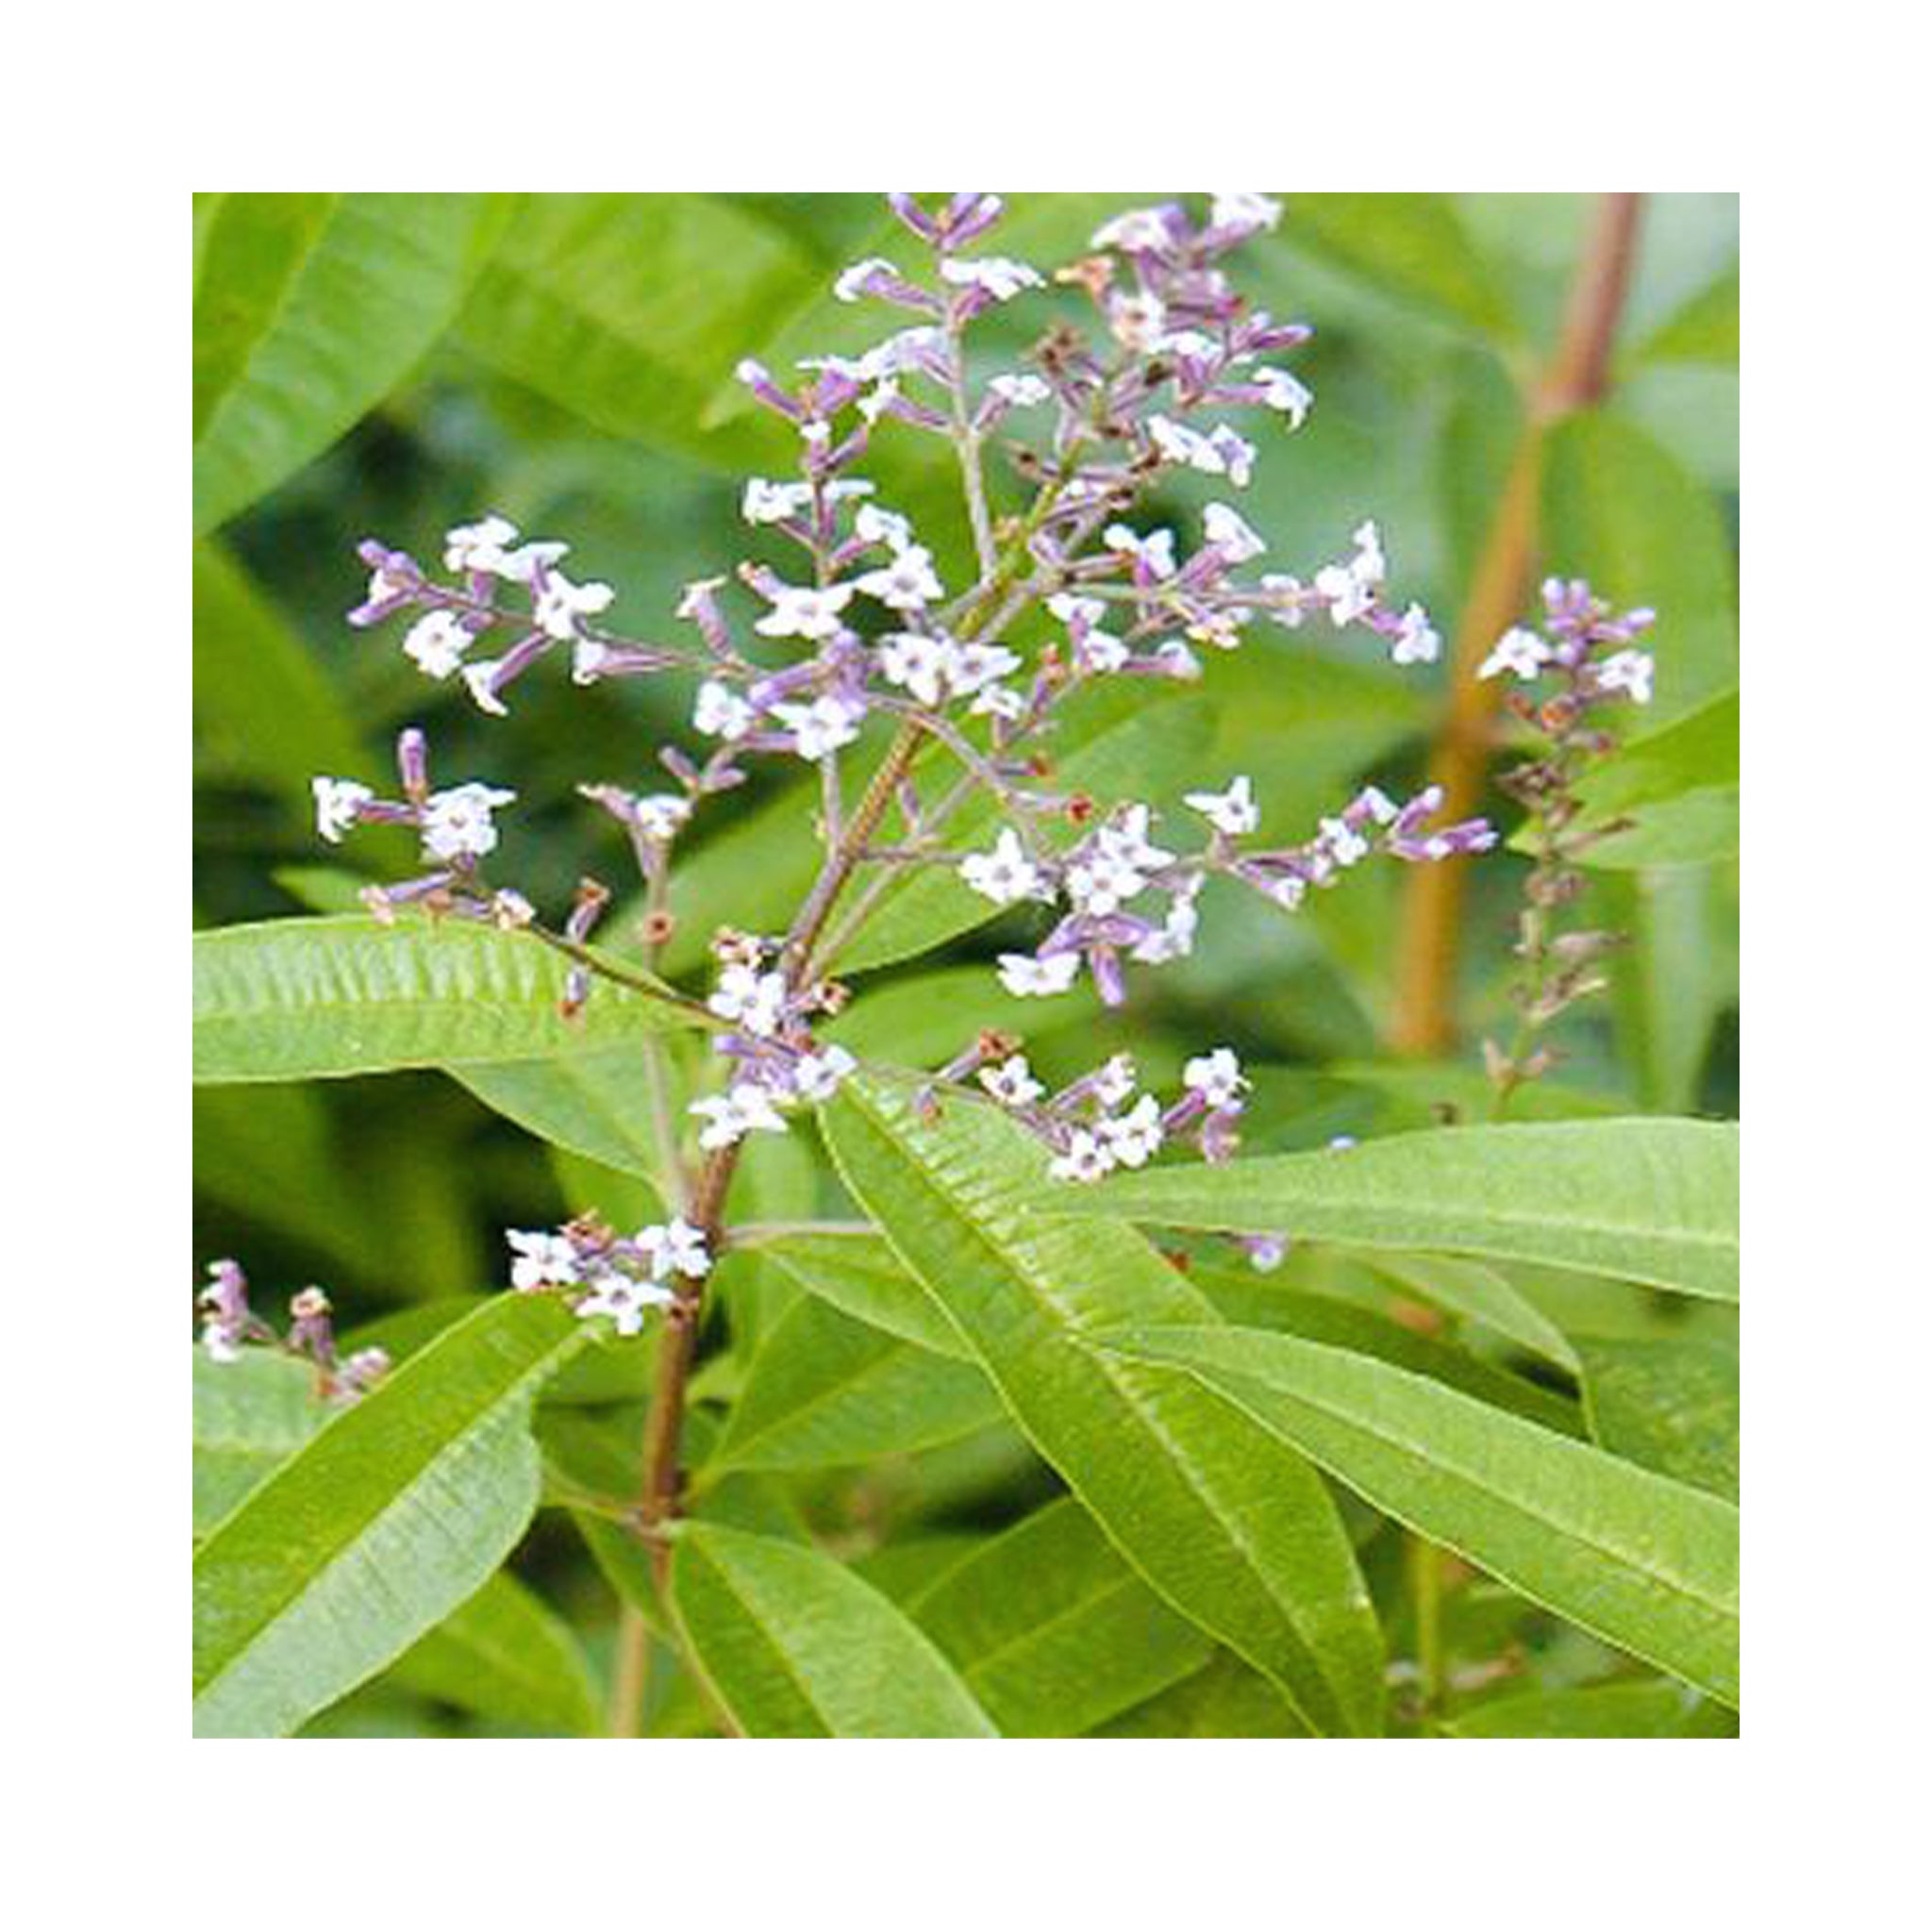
567 361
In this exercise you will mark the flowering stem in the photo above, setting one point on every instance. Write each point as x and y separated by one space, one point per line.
631 1680
1576 375
966 441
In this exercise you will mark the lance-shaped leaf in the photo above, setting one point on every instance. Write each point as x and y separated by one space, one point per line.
295 999
861 1276
796 1646
250 1416
1052 1629
824 1391
508 1656
1230 1525
1669 1404
1652 1201
1642 1562
308 308
1603 1710
595 1104
393 1516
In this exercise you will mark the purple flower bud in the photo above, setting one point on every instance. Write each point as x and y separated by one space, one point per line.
412 764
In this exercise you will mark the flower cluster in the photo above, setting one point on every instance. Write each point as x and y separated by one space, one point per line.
1101 1121
606 1274
1173 375
1584 660
229 1321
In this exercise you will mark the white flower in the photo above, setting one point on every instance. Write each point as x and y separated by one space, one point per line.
1216 1077
220 1338
720 712
520 565
919 664
543 1260
1377 804
1175 937
1340 1143
1139 231
1102 883
755 1000
997 275
659 816
821 727
479 545
804 611
1416 640
1114 1080
817 1075
1188 342
975 666
1070 610
1343 843
1100 650
747 1109
1180 444
1023 975
623 1300
851 284
1125 840
1236 455
1289 891
675 1247
1004 874
1012 1083
1233 811
771 502
1350 587
1249 211
1087 1159
1517 649
1629 672
338 803
1280 390
998 701
908 583
1266 1252
1021 391
1231 533
691 601
1138 321
558 605
1178 660
456 823
479 679
878 526
1134 1138
1154 550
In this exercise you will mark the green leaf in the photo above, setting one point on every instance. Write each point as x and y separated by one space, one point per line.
1645 1563
1225 1700
309 309
1643 1200
631 309
1412 248
824 1391
250 1416
1672 1405
1258 1301
1696 752
796 1646
595 1104
861 1276
1479 1294
508 1656
264 708
392 1517
1619 510
1607 1710
305 998
1675 978
1705 329
1052 1630
1237 1533
1693 828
